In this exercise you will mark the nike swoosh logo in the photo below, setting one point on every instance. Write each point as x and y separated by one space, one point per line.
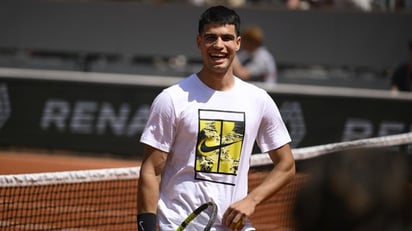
204 148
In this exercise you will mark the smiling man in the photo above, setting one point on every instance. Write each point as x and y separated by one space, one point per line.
200 135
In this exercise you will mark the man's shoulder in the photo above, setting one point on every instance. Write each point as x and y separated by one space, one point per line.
250 88
181 86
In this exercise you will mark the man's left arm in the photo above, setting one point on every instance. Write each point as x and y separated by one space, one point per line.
281 174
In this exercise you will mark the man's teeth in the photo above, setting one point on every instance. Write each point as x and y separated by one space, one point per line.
218 56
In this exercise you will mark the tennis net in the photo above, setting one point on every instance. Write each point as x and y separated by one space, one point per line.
106 199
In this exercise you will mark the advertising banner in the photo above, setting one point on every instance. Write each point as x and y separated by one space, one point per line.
105 117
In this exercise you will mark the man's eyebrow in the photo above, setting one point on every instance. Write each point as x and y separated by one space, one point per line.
209 34
229 35
222 35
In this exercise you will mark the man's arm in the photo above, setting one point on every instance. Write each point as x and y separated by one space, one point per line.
148 187
282 173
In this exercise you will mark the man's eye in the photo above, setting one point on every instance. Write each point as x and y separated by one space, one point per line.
227 38
210 38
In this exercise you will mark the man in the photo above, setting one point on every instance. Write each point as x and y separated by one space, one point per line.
402 77
254 61
200 134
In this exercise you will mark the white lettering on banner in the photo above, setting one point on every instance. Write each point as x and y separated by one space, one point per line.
55 112
293 116
390 128
108 117
356 128
83 117
5 109
138 121
91 117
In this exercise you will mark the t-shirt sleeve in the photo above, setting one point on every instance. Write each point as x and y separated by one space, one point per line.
272 132
159 130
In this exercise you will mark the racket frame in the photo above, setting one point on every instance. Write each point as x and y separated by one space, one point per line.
196 212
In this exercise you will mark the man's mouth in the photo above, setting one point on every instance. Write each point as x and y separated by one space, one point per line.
217 57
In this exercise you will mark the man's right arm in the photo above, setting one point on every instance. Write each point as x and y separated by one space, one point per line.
148 187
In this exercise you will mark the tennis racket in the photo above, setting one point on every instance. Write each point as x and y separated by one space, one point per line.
201 218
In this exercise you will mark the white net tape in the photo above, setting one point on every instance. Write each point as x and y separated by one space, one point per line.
314 151
133 172
69 177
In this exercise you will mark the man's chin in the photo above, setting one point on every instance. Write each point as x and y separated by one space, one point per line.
221 68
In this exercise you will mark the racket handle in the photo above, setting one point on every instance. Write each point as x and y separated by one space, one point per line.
146 222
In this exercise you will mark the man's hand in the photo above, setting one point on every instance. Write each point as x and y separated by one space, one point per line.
237 214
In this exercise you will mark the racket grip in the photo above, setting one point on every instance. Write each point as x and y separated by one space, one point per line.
146 222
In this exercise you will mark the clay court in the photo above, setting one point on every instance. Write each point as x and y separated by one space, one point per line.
272 215
37 161
109 205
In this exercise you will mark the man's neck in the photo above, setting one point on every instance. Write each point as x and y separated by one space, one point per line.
217 81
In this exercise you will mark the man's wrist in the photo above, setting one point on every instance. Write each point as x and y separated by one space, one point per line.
146 222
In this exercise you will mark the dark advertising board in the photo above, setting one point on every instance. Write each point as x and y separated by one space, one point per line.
109 116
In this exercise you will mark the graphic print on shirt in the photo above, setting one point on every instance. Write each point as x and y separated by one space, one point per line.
219 145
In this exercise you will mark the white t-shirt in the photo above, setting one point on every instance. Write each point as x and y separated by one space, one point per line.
209 137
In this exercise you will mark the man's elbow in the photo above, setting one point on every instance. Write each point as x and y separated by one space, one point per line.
290 169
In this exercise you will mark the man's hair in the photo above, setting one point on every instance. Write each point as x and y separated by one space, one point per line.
220 15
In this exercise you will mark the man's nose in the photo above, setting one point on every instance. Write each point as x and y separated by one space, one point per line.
218 43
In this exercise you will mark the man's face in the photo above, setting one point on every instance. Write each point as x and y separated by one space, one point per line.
218 45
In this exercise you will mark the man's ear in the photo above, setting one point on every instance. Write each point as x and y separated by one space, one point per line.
198 40
238 42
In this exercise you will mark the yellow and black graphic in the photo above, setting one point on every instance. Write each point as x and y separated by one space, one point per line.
219 143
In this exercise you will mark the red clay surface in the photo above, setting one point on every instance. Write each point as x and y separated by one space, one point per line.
35 161
272 215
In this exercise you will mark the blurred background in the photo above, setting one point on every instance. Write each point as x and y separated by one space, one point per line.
355 43
81 74
77 78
